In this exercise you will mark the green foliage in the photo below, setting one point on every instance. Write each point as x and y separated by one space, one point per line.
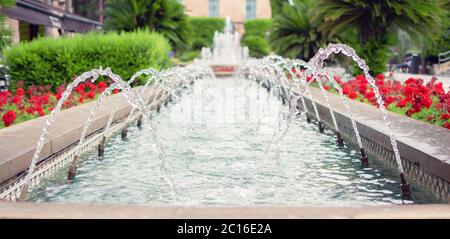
257 27
54 61
189 56
255 37
87 8
277 6
202 30
293 34
258 46
371 23
164 16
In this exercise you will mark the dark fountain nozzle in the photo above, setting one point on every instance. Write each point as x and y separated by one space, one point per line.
321 127
124 133
139 122
73 168
340 140
406 191
364 159
101 147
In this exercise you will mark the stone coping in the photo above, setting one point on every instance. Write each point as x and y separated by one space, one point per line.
104 211
424 144
18 142
424 148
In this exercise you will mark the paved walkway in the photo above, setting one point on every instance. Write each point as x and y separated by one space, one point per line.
49 210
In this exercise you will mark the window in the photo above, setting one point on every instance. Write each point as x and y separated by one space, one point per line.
213 8
250 9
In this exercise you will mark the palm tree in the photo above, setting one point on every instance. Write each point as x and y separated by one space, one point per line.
276 6
373 22
164 16
293 34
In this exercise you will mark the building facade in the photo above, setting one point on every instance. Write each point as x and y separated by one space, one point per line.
29 19
237 10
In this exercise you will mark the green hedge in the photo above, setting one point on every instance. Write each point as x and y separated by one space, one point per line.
258 46
55 61
202 30
255 37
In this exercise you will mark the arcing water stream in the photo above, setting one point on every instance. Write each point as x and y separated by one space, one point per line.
289 79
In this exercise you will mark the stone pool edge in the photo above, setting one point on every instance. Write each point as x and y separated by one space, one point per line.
425 162
11 210
60 147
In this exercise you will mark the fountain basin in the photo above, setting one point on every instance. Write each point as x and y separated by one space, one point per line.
16 151
424 148
215 140
224 70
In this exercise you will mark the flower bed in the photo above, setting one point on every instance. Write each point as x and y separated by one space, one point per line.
426 102
36 101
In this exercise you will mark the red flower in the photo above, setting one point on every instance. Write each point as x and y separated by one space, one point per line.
381 77
410 112
41 112
445 116
430 118
80 88
9 117
401 103
353 95
20 91
410 81
91 94
115 91
446 125
91 86
58 95
17 99
102 86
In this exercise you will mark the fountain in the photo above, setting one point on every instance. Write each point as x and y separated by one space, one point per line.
314 70
286 79
134 97
226 53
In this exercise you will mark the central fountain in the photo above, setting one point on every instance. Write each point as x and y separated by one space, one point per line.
226 53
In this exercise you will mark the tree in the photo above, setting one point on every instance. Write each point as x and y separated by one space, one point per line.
164 16
373 23
293 34
276 6
5 33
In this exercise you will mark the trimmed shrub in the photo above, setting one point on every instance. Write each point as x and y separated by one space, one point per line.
202 30
258 46
55 61
257 27
255 37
